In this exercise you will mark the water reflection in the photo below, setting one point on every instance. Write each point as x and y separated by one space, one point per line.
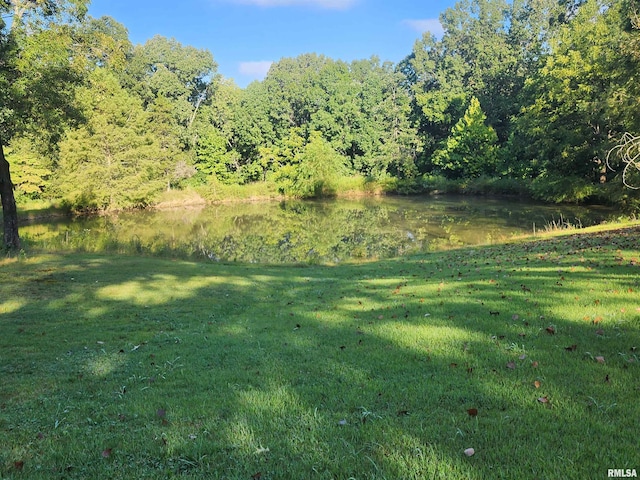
319 231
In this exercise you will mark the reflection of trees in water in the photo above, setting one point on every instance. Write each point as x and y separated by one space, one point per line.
302 232
295 231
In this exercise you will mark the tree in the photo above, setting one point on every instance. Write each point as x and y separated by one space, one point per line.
213 157
216 139
36 77
105 43
163 67
576 103
318 168
389 133
360 108
114 160
294 92
31 171
625 155
470 151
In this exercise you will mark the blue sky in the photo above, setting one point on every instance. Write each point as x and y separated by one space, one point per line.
244 36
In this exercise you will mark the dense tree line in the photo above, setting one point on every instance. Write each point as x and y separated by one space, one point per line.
527 96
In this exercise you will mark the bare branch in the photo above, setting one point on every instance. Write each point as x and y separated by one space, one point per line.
628 150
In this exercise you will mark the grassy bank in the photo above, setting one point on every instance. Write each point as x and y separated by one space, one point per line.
130 367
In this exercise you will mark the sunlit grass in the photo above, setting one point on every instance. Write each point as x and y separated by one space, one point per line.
133 367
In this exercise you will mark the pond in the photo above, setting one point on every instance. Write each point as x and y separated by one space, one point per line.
309 231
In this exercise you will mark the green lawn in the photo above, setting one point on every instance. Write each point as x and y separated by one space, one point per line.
131 367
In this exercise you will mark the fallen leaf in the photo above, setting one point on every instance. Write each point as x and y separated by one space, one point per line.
543 399
600 332
572 348
403 413
342 422
551 330
473 412
511 365
522 357
536 384
18 465
469 452
599 359
161 413
106 453
256 476
534 364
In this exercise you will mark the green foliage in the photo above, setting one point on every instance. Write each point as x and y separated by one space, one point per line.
359 108
105 43
488 49
215 160
163 67
562 189
42 73
484 185
440 184
32 171
573 108
38 73
470 151
316 172
112 161
437 87
210 151
557 82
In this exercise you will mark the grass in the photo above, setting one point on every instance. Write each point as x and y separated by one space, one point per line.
134 367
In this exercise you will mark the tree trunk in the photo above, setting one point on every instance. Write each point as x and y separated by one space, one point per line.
9 210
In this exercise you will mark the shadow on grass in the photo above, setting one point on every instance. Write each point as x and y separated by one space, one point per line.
125 367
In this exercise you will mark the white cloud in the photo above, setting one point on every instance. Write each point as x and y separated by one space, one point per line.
328 4
255 70
431 25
